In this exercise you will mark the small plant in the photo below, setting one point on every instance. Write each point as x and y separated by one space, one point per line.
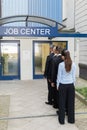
82 91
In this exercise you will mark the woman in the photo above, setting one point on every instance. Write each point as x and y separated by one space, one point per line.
65 85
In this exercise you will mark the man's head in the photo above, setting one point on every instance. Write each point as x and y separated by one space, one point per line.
58 50
51 48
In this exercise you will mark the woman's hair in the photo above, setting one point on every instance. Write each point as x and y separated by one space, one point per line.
63 52
68 61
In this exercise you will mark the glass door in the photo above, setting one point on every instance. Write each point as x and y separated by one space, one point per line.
41 50
9 60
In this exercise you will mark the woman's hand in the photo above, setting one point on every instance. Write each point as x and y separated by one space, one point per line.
52 84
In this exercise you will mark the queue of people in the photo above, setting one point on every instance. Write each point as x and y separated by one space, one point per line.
60 72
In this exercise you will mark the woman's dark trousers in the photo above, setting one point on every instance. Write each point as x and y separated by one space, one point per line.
66 98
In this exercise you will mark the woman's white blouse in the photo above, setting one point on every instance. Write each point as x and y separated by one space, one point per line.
66 77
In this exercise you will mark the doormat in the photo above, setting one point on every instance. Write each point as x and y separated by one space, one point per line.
4 110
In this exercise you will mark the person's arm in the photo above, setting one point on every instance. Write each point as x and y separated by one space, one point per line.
53 71
59 75
46 67
74 73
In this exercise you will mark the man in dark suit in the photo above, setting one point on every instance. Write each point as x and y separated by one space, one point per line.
47 74
57 58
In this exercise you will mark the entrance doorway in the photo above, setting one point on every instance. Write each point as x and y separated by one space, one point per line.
40 52
9 60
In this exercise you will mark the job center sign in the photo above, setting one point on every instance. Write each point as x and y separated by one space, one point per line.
28 31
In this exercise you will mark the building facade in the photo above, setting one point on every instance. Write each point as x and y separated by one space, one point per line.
53 9
75 17
24 57
0 8
81 26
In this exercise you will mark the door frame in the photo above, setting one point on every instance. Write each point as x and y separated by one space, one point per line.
10 77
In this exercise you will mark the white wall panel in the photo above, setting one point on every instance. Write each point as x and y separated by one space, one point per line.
68 13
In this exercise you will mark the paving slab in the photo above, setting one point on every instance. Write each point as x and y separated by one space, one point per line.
27 108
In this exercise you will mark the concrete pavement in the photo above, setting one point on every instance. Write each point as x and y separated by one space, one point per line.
27 109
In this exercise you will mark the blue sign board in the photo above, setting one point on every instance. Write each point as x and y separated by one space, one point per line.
28 31
36 32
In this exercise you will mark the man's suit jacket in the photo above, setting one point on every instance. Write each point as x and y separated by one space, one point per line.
47 72
55 63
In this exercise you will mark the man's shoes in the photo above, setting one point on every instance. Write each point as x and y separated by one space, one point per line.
54 106
57 112
48 103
